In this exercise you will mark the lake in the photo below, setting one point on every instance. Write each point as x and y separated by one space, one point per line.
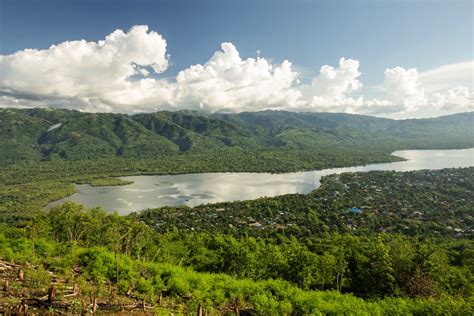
194 189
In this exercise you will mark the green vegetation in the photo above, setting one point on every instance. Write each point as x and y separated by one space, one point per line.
109 182
51 135
310 255
406 249
416 203
178 271
44 151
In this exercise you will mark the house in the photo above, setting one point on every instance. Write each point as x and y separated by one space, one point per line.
354 210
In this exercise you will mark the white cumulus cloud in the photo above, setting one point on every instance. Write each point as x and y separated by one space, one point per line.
406 92
118 74
89 72
402 87
457 98
227 82
331 90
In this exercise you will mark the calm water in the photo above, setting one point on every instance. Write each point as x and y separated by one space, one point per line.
194 189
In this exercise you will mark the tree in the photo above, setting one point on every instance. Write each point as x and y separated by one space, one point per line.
73 223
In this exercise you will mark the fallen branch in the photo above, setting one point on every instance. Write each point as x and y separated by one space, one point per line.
36 302
71 295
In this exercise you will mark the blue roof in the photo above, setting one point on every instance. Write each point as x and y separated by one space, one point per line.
355 210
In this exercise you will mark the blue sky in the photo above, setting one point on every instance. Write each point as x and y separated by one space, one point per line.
378 34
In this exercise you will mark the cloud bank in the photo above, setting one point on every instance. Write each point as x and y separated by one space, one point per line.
226 82
118 74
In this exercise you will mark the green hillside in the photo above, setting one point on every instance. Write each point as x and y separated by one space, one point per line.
46 134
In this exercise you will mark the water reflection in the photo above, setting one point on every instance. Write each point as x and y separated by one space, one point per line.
195 189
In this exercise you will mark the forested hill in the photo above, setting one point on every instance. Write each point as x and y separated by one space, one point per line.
48 134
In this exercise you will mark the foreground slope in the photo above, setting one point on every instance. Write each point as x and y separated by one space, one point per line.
311 256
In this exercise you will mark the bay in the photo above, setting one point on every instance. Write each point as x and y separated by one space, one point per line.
194 189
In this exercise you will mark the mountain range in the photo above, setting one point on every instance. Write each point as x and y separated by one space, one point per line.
48 134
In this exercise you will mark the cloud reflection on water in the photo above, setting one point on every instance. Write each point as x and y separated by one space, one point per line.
195 189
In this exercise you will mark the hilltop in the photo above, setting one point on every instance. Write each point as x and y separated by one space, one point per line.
54 134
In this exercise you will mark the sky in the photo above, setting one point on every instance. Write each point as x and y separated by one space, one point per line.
398 59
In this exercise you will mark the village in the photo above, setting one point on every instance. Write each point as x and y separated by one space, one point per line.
429 202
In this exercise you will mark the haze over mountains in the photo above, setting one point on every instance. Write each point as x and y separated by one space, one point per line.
46 134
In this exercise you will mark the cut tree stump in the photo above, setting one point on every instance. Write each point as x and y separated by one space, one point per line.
21 275
94 304
51 294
